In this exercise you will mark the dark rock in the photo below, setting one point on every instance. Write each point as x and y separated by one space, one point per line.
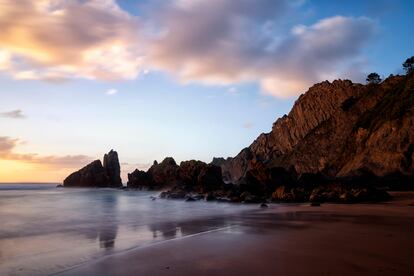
164 174
189 198
209 197
92 175
189 172
223 199
59 186
97 175
210 178
264 205
190 176
347 193
282 193
139 179
164 194
315 204
159 176
112 168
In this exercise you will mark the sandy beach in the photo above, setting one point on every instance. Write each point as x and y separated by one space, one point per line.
360 239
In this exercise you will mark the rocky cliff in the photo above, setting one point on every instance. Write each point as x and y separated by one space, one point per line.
339 130
97 175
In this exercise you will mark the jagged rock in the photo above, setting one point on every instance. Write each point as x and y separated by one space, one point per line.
139 180
112 168
210 178
189 172
92 175
209 197
97 175
190 176
159 176
338 129
164 173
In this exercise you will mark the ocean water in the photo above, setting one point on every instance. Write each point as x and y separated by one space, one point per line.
46 230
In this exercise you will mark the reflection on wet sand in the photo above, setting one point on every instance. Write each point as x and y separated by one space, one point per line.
108 223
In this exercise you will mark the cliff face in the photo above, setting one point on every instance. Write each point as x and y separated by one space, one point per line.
338 129
113 170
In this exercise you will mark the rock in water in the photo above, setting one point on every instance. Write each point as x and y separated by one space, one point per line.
97 175
92 175
112 168
264 205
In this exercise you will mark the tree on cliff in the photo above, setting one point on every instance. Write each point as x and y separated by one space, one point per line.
373 78
408 65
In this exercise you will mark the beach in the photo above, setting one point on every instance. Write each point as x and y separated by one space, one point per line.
49 231
360 239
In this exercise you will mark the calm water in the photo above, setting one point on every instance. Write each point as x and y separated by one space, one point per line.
45 230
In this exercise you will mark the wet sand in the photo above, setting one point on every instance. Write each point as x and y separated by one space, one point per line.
360 239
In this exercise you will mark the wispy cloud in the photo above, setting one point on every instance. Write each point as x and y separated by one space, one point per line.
7 152
111 91
232 90
13 114
232 42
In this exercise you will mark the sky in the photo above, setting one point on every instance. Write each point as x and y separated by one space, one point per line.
191 79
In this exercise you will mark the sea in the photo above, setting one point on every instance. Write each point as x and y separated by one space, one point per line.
45 230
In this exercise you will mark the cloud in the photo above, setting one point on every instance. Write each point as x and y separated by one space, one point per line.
217 42
233 43
315 53
13 114
59 39
7 144
111 91
232 90
7 152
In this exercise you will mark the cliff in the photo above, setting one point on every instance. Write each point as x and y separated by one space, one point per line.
339 130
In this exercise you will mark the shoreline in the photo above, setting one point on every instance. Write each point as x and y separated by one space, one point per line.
293 239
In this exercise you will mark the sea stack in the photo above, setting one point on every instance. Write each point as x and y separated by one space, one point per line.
97 175
112 168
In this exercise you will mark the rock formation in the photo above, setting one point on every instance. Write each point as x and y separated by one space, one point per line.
112 168
190 176
340 130
340 142
97 175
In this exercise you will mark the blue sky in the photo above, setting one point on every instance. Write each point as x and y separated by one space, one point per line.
204 85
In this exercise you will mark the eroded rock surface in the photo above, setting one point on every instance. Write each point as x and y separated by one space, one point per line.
338 129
